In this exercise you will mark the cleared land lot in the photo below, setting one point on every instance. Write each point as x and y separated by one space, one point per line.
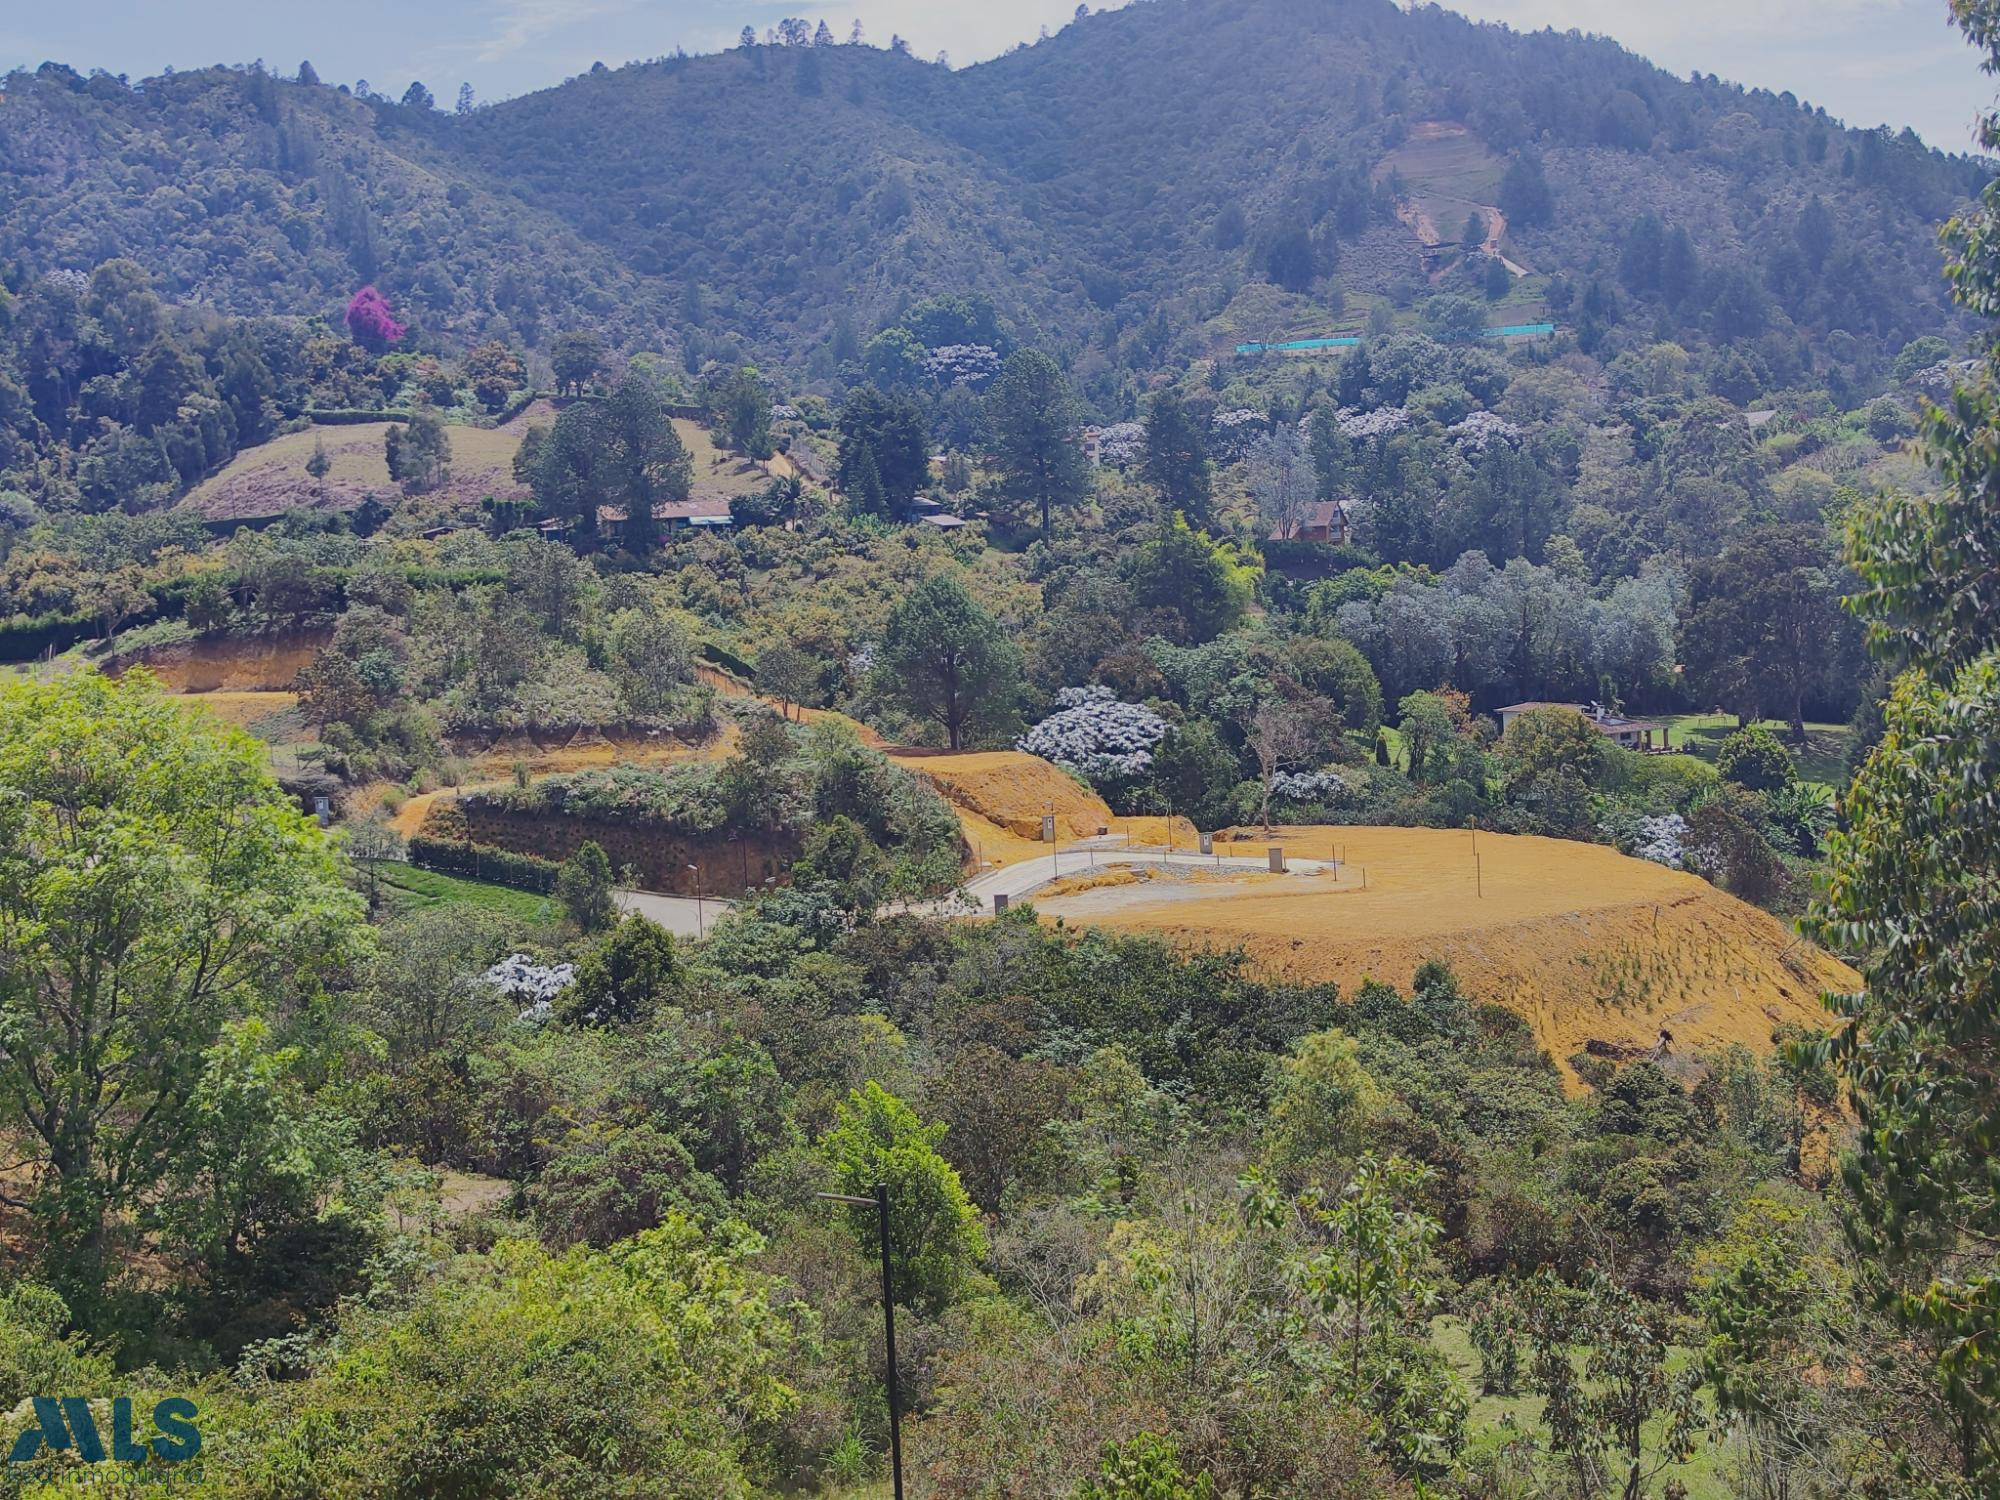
1586 944
270 479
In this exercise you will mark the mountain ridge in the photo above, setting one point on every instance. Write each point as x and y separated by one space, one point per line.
1111 189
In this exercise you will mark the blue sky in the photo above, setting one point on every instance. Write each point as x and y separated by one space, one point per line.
1868 61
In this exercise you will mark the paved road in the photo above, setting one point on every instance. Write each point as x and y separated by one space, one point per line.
684 917
1024 877
681 915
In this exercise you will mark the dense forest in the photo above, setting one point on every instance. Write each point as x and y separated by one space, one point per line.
1122 189
455 936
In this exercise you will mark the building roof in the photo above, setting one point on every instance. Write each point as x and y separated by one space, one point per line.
696 510
1321 515
943 523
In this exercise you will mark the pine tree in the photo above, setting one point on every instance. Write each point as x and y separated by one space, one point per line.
864 485
318 465
1035 422
1176 459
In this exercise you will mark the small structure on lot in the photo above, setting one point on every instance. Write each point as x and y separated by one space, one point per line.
1630 734
703 512
1323 521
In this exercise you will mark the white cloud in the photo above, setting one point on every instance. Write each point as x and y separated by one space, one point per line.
525 22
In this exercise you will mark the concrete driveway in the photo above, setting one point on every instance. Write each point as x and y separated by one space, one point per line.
683 916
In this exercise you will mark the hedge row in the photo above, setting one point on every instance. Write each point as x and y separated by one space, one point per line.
1314 559
25 637
728 660
525 872
351 416
515 404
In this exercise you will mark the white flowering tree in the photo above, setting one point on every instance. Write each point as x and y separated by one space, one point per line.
1384 421
1121 445
1093 735
1480 430
1230 433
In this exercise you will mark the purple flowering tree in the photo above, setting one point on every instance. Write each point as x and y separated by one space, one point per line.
370 321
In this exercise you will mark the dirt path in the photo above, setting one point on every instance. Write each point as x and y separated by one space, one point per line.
1430 237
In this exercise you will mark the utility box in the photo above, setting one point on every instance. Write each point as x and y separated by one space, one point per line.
999 902
1048 828
1208 843
1277 860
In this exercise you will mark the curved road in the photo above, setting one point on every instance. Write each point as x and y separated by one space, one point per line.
1024 877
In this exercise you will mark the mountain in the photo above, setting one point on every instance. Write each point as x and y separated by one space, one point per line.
1150 185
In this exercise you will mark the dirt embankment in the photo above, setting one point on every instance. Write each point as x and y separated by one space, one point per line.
257 664
661 859
1001 797
1585 944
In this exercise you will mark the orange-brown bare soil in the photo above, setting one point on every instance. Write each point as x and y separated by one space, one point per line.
1584 943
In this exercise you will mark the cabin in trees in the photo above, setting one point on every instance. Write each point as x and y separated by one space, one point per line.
702 514
1323 521
1627 734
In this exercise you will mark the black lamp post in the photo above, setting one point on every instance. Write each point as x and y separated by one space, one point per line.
880 1203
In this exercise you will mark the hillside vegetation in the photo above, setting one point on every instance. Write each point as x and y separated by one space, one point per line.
802 471
1111 187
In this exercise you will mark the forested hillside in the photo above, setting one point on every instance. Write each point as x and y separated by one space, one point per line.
581 678
1147 185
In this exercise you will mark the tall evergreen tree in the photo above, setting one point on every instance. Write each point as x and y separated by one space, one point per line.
1035 423
644 462
946 659
890 429
1176 458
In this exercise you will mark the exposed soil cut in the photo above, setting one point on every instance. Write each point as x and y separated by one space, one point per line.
1586 944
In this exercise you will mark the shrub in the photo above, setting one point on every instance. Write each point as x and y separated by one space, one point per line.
1753 758
1092 735
584 888
525 872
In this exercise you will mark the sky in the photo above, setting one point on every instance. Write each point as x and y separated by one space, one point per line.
1868 62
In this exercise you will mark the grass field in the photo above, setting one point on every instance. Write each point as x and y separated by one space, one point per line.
412 889
1446 160
1448 175
1824 759
271 478
718 473
1702 1475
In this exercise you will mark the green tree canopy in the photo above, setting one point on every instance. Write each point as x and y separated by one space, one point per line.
584 887
1914 889
886 434
1035 423
1175 461
935 1241
1753 758
945 659
155 884
1187 571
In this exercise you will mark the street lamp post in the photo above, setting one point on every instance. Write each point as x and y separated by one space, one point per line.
700 926
879 1201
